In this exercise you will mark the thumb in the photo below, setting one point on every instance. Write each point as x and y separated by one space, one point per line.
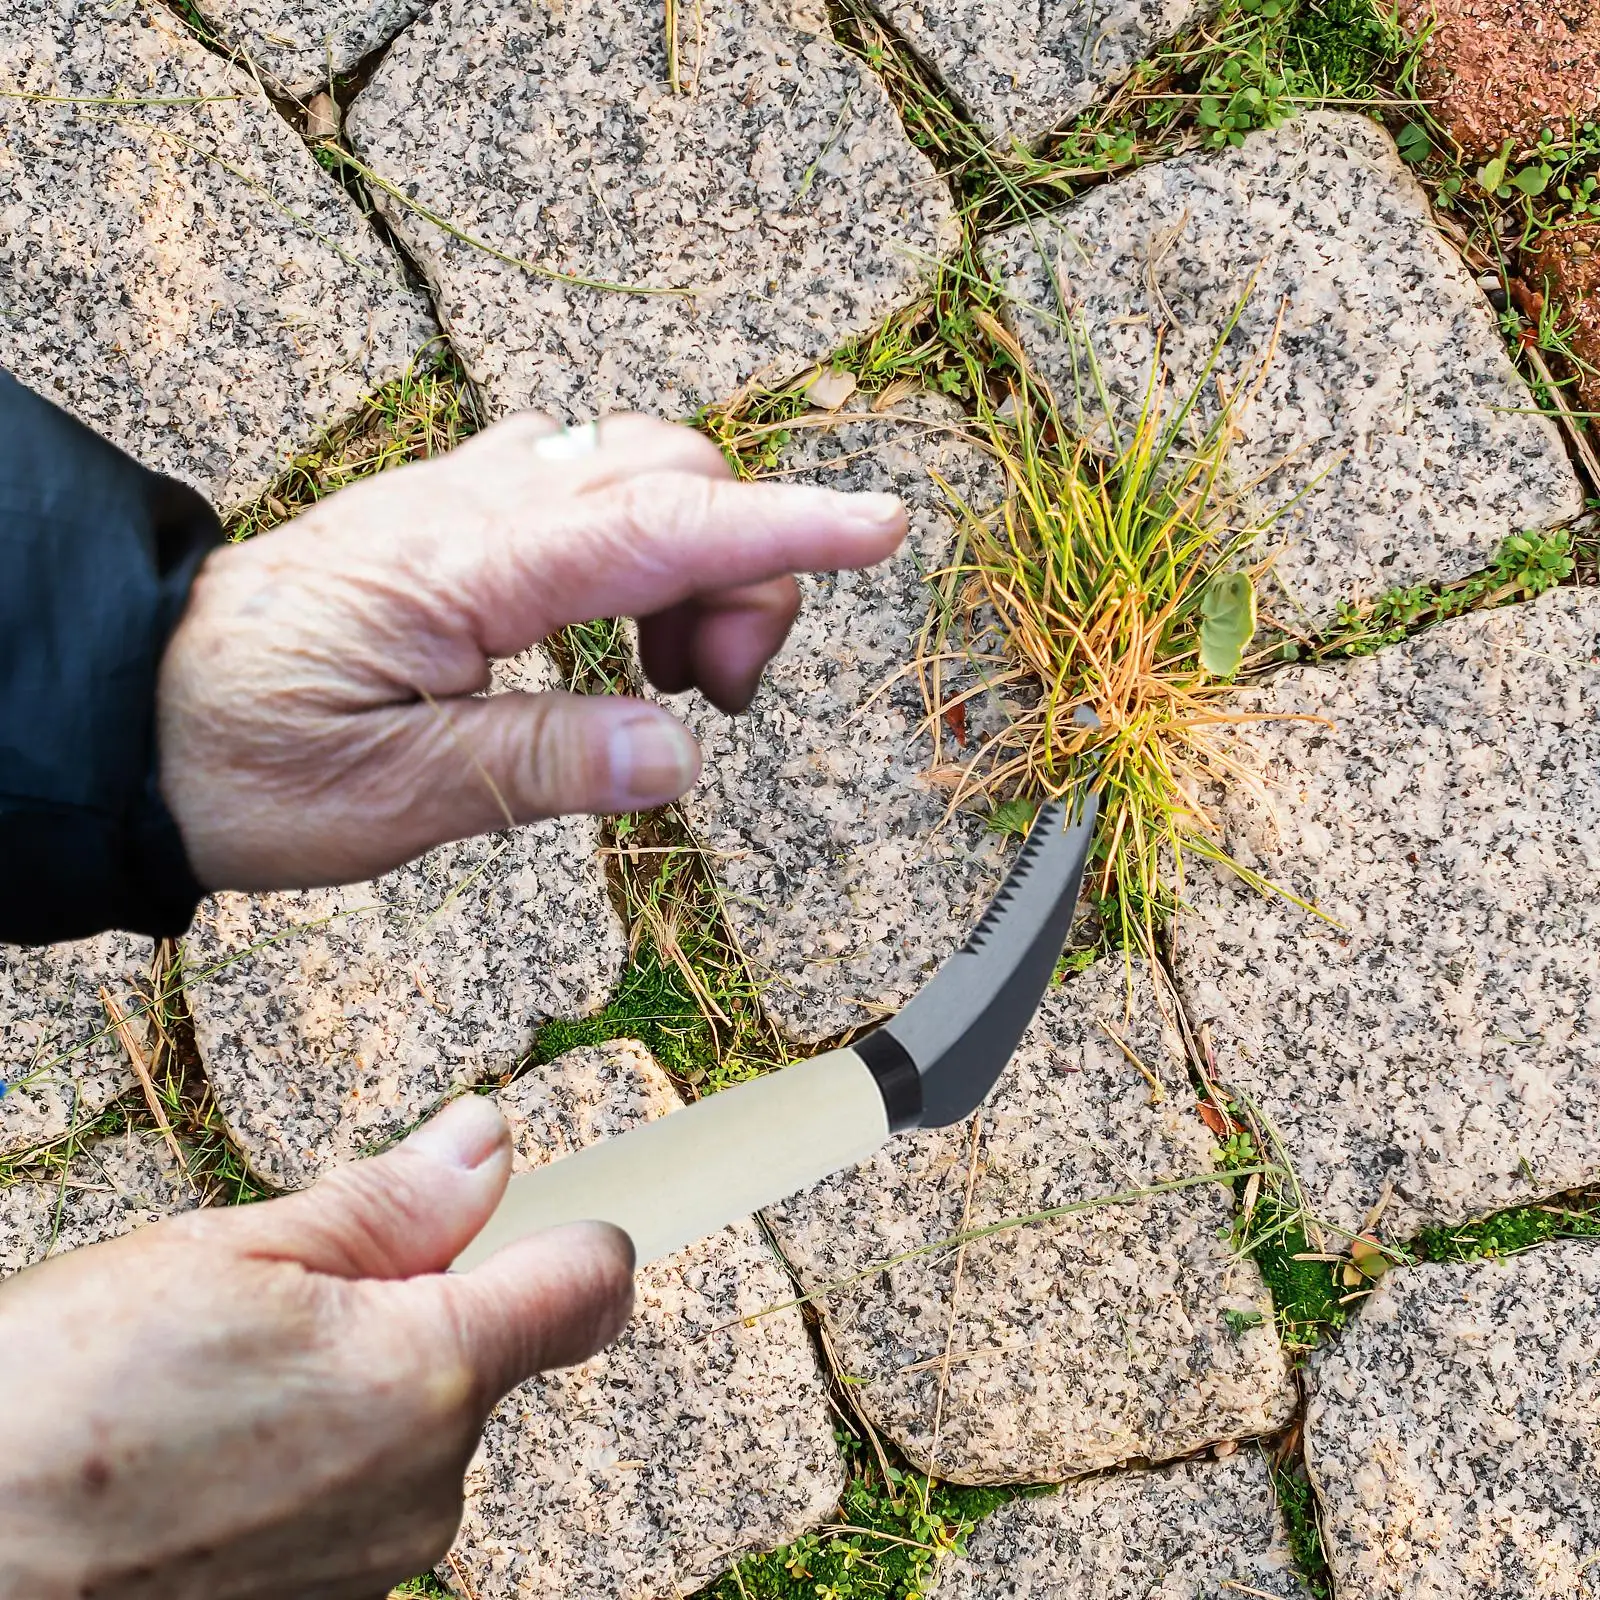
470 762
412 1210
551 1300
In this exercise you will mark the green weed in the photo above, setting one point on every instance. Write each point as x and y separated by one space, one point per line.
423 414
1297 1501
1527 565
893 1527
1508 1232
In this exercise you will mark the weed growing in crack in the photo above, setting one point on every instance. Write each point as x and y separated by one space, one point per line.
1527 565
425 413
893 1527
1297 1501
1574 1216
1082 605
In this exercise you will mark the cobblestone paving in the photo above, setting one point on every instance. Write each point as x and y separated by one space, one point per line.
177 269
1075 1345
1389 407
1440 1035
1195 1531
1022 69
60 1064
254 307
841 884
782 192
1455 1432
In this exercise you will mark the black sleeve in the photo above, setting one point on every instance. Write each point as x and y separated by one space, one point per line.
97 555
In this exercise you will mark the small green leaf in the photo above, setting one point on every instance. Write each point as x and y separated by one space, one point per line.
1413 143
1227 622
1532 180
1012 816
1491 174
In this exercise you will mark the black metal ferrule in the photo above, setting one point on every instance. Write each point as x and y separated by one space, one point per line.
899 1082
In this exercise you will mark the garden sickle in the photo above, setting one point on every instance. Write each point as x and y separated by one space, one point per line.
686 1175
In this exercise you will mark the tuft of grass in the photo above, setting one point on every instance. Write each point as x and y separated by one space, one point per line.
1086 604
893 1527
1574 1216
425 413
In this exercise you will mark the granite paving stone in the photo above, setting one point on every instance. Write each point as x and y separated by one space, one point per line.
331 1020
843 882
697 1437
294 43
116 1185
1453 1432
1078 1343
779 186
1440 1035
1203 1530
1020 68
59 1064
184 278
1389 405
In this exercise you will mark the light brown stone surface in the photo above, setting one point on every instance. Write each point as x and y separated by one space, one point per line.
184 278
1441 1034
57 1055
1203 1530
781 188
295 42
1453 1433
1022 68
1075 1344
116 1185
696 1438
1390 405
844 883
330 1021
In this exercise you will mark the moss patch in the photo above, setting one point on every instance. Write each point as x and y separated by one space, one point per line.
1575 1216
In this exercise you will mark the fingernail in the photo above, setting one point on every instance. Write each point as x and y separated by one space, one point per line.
465 1134
876 512
653 760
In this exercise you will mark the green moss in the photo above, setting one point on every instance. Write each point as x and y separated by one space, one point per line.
653 1005
889 1535
1575 1217
1305 1294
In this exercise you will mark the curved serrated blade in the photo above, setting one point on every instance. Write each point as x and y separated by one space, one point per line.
961 1028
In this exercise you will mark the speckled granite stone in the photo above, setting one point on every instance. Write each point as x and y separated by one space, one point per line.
359 1008
184 278
1390 383
1022 68
1453 1433
1205 1530
116 1185
842 885
653 1467
783 189
54 1045
293 42
1077 1343
1445 1036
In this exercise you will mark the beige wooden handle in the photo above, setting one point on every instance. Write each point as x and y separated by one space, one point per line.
683 1176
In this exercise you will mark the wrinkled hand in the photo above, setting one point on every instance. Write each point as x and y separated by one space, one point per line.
298 744
281 1400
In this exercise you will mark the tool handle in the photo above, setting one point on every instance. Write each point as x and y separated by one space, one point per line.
683 1176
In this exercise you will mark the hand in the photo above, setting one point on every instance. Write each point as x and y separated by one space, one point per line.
282 1399
298 742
